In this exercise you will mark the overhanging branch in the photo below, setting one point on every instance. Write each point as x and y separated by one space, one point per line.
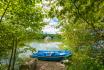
4 12
89 23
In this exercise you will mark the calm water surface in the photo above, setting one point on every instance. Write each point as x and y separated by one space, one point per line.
40 46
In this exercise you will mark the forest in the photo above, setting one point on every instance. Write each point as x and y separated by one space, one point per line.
81 24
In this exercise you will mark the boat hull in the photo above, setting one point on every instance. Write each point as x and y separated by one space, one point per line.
51 55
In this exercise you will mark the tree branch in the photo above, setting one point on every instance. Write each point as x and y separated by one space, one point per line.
89 23
4 12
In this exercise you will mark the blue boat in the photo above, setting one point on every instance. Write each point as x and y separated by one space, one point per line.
51 55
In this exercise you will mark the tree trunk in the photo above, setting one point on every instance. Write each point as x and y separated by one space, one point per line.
10 61
15 50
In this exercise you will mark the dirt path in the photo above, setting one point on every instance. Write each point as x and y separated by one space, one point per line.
49 65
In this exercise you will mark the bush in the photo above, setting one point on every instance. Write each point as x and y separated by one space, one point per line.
86 59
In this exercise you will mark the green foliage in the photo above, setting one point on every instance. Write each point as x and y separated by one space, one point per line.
82 25
20 19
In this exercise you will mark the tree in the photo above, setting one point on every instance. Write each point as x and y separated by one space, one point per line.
21 20
82 22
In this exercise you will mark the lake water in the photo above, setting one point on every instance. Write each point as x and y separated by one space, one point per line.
45 45
40 46
26 54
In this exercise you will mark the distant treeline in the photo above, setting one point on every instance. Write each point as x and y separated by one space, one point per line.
53 36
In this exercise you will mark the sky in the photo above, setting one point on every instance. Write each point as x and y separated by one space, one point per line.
50 27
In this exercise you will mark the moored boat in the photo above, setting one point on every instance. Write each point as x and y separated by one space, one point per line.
57 55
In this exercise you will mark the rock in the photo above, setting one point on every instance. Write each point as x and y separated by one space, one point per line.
42 65
49 65
30 65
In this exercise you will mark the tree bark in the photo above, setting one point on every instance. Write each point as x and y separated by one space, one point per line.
10 61
14 55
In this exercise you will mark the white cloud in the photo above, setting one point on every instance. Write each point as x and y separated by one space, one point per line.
50 29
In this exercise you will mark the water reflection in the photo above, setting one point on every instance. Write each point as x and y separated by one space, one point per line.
45 46
40 46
